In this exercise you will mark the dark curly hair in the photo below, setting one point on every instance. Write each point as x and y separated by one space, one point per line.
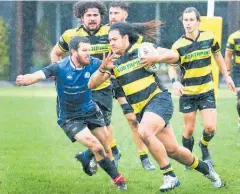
80 8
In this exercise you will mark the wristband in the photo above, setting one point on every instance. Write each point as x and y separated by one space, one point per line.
173 80
108 72
101 71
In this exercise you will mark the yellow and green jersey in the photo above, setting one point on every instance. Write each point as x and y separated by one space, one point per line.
195 62
98 40
233 44
138 84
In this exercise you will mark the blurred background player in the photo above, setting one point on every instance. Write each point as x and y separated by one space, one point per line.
233 52
118 12
90 15
78 115
196 89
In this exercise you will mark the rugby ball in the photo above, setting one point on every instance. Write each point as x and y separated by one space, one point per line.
147 49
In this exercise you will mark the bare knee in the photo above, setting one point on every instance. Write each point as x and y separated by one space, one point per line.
173 152
188 131
145 136
210 128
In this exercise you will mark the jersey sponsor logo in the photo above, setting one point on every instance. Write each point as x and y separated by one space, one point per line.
198 54
129 65
87 75
100 48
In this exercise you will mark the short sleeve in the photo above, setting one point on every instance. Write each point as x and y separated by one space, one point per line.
51 70
215 47
230 43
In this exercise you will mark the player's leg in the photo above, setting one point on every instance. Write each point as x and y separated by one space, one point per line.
189 127
75 126
85 137
156 114
104 100
208 112
149 126
184 156
189 109
133 123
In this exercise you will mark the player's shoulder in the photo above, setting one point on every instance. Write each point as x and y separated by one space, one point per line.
64 62
71 32
103 30
181 41
235 35
207 34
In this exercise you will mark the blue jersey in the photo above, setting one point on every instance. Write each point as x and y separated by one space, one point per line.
74 97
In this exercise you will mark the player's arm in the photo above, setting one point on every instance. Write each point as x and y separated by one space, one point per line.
167 55
56 53
228 59
46 72
176 85
221 64
103 72
164 56
28 79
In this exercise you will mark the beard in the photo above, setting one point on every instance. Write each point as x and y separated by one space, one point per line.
82 60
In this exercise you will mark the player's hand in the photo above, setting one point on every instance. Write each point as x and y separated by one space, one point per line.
108 62
177 88
148 60
21 80
230 83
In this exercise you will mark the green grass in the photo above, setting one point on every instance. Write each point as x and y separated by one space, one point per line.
37 157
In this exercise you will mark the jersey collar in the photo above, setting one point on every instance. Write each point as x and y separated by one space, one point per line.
199 32
73 66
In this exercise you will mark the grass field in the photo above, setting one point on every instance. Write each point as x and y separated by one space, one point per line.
37 157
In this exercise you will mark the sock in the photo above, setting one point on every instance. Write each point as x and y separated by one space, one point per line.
205 139
113 146
119 179
238 110
188 143
199 165
107 165
143 155
168 170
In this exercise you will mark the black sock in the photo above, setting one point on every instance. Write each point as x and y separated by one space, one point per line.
188 143
143 157
238 109
114 150
200 166
107 165
168 170
206 138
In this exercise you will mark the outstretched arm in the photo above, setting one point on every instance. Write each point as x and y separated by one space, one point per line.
28 79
